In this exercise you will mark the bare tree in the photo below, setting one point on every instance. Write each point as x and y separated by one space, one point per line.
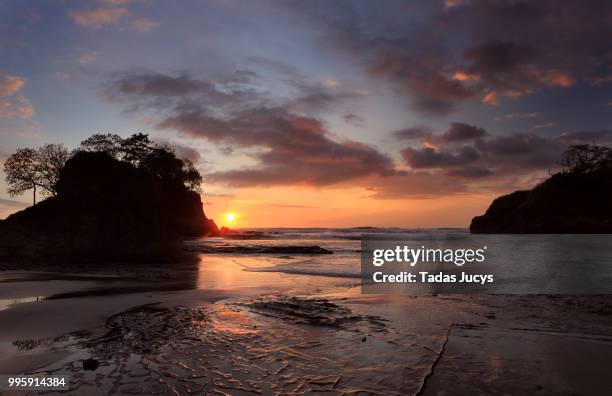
35 169
586 158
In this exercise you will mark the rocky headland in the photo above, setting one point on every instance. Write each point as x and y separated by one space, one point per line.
577 200
106 209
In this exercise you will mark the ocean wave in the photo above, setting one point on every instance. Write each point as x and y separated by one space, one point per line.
337 266
309 271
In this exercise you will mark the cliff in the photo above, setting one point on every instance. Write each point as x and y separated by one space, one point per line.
105 209
566 203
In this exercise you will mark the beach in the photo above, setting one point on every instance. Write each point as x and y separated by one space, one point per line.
230 324
336 198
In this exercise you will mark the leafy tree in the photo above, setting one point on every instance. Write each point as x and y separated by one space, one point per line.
33 169
105 143
586 158
140 151
132 149
51 161
136 148
191 177
21 173
163 163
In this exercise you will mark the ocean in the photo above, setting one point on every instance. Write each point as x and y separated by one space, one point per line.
522 264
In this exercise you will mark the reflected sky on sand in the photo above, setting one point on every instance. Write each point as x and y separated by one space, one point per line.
242 324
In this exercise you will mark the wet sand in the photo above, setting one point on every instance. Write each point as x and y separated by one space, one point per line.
217 329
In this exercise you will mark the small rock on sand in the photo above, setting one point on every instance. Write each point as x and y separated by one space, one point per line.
90 364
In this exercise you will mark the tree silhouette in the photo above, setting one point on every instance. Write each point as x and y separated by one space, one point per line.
163 163
132 149
136 148
159 160
33 169
103 143
51 160
38 169
586 158
192 178
21 173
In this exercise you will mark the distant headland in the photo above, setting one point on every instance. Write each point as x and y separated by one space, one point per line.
577 200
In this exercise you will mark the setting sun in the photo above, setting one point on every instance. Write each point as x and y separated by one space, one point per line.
230 217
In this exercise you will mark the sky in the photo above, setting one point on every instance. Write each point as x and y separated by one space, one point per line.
318 113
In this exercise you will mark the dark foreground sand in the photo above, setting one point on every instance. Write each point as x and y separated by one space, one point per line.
216 329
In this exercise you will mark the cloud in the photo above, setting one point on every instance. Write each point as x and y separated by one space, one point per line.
332 83
600 137
558 78
544 125
501 64
10 85
447 52
491 99
485 155
296 150
63 76
111 13
143 25
12 104
412 59
312 95
288 147
461 75
459 132
182 151
416 185
521 152
99 17
517 116
352 119
157 85
428 157
87 58
412 133
448 4
470 172
497 59
320 97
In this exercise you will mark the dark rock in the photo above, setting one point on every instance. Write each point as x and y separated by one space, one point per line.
211 228
315 312
90 364
231 234
566 203
105 210
283 250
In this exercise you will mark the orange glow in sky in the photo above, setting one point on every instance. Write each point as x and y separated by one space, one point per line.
339 207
